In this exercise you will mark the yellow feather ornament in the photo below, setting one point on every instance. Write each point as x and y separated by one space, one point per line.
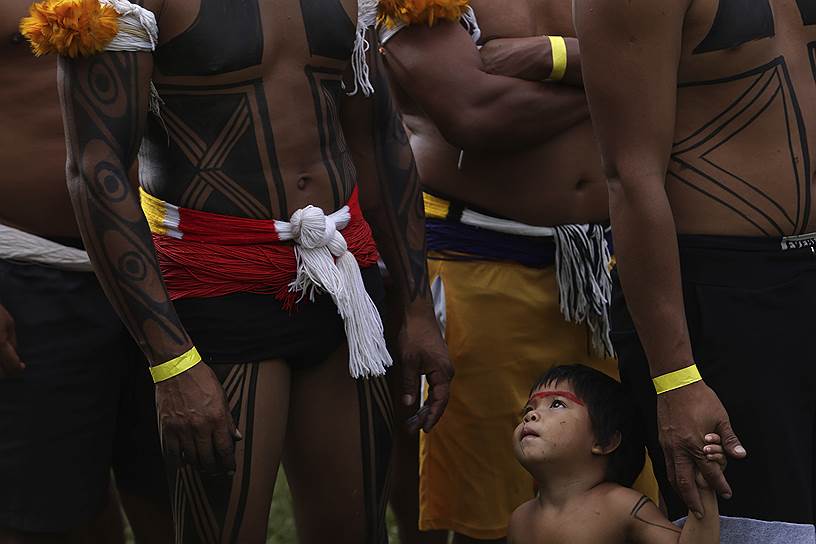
394 12
71 28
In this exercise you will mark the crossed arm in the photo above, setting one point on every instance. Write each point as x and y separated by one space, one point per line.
631 53
442 71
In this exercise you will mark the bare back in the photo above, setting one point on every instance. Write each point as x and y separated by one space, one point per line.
744 140
251 93
558 182
33 195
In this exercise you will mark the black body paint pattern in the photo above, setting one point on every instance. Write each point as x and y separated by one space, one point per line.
329 30
221 143
635 513
694 160
204 509
738 22
401 187
326 88
376 429
196 53
808 10
102 100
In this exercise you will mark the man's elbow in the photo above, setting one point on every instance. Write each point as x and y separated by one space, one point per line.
465 127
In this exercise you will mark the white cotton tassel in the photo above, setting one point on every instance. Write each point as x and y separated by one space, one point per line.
471 25
585 286
318 242
366 18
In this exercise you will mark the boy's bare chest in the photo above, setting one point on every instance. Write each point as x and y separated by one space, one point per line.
584 525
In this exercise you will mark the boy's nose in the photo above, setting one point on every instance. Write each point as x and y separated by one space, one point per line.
530 416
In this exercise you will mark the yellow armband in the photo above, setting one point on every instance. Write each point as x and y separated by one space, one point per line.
176 366
677 379
559 58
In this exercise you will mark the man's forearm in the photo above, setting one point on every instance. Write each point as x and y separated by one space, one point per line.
649 266
104 116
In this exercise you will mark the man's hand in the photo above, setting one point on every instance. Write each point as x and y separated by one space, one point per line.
685 417
422 351
194 421
10 363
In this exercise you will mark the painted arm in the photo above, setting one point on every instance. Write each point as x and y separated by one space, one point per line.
391 198
441 70
648 525
630 54
104 102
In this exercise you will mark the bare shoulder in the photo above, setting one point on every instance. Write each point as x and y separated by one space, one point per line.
156 6
633 14
521 521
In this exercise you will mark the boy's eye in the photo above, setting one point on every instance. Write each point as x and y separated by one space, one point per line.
558 404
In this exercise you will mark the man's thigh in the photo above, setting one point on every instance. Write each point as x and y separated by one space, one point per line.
337 457
234 508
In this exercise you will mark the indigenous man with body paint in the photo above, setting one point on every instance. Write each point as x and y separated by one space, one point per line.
251 153
706 115
516 202
74 396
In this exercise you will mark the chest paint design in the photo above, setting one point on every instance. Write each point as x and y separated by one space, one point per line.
808 10
329 30
225 37
738 22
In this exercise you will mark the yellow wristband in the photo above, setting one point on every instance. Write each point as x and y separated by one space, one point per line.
559 57
677 379
176 366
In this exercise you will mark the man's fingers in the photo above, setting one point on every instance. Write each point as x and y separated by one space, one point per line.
437 402
172 449
225 449
410 381
713 474
10 363
687 487
189 455
205 450
730 441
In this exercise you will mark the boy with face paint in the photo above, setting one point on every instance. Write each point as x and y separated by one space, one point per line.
580 439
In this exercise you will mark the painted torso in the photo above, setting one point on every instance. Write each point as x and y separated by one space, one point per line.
742 162
251 92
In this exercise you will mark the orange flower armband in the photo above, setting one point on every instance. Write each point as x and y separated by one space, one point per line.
393 13
81 28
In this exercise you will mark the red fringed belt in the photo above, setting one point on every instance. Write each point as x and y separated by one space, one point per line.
203 254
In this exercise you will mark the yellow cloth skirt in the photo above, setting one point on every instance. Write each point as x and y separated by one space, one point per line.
504 328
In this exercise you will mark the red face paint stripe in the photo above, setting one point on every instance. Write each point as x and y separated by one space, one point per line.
565 394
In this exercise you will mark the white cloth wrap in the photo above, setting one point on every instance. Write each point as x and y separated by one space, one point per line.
17 245
138 31
324 263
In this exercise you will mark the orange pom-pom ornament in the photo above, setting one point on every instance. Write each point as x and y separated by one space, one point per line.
71 28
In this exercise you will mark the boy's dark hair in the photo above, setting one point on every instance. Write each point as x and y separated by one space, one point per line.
610 410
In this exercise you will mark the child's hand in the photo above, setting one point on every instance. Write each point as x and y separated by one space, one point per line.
714 453
714 450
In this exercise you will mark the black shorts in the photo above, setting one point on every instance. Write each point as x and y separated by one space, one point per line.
247 328
750 308
83 404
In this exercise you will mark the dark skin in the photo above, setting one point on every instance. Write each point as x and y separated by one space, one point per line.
268 158
566 191
649 131
575 503
451 81
35 199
